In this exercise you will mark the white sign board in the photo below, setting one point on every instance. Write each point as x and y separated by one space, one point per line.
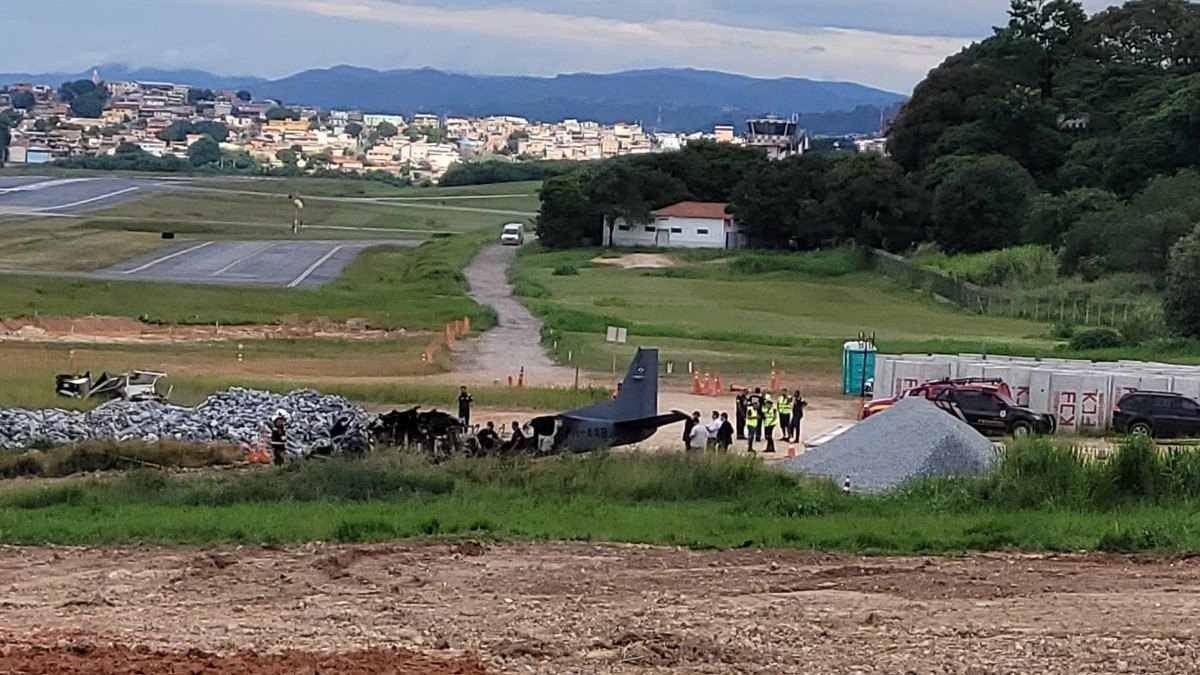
617 335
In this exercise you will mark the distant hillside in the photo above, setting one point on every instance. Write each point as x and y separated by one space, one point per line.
196 78
664 99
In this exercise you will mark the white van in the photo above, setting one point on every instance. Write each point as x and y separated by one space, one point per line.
513 234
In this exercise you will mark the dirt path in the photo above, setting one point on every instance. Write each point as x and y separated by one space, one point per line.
574 608
516 340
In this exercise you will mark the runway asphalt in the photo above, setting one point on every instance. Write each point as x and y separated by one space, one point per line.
31 195
285 264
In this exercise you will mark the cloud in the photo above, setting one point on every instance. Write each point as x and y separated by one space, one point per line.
892 61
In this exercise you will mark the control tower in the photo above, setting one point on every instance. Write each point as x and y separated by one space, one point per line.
779 137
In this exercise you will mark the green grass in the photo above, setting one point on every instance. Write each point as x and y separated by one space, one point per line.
420 288
333 187
1041 500
764 299
1021 266
248 213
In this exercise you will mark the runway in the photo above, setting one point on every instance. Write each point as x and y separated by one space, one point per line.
39 195
281 264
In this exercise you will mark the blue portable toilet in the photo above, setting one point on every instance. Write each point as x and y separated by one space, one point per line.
858 366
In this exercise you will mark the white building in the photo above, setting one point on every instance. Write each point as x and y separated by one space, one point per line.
375 120
682 225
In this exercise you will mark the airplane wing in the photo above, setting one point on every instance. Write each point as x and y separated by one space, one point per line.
652 422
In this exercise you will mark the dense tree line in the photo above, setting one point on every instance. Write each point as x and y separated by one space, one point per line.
1078 133
494 171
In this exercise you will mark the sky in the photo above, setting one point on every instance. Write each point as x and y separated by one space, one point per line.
889 44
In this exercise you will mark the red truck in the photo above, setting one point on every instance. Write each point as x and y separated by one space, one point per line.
930 391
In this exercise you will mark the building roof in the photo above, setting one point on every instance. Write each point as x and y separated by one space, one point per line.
707 210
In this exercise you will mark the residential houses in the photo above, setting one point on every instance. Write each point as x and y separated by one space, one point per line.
425 146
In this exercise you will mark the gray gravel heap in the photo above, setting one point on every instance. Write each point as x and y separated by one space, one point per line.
912 439
234 416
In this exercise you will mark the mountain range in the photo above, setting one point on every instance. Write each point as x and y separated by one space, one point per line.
662 99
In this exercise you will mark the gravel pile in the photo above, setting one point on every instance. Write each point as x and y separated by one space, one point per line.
913 438
234 416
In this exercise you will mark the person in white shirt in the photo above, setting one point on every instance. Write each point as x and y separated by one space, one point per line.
698 440
714 427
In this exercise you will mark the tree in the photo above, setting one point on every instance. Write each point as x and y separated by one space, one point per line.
196 95
624 191
217 130
1150 34
386 129
244 96
1053 25
23 100
981 204
875 204
204 151
85 97
354 129
288 156
1051 217
566 218
781 204
5 138
176 132
280 113
1182 305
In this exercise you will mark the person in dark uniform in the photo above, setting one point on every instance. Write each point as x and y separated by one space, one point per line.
279 438
464 407
798 406
725 434
489 440
740 415
689 424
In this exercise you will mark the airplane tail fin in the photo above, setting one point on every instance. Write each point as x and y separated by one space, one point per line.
638 394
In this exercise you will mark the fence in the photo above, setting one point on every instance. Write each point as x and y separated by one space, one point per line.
1065 308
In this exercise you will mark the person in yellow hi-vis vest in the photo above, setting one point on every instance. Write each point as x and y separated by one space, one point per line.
770 420
785 415
751 427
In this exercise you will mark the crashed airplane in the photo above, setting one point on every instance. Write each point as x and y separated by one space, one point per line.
631 417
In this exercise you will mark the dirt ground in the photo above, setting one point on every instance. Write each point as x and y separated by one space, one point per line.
120 330
574 608
633 261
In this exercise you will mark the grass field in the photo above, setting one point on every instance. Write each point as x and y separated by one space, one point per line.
740 314
421 288
334 187
1130 503
250 210
105 237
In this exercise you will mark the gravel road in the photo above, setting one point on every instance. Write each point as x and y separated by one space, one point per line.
579 608
516 340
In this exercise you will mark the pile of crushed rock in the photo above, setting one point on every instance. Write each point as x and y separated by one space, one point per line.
912 439
233 416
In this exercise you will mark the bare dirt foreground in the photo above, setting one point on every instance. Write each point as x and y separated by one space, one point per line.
574 608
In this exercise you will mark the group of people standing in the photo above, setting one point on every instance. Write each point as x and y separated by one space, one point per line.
757 417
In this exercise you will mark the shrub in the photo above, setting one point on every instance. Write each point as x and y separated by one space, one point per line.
1063 331
1096 338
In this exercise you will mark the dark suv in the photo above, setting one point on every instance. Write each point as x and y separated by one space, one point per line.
1160 414
992 413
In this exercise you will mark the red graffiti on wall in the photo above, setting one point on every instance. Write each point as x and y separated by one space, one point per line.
1090 409
1066 409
